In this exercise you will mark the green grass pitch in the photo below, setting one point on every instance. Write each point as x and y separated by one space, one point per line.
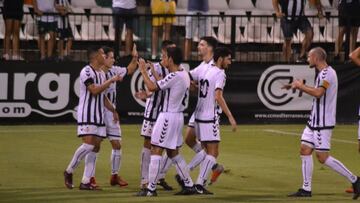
263 161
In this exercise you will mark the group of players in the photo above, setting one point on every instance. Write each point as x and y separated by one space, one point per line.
168 86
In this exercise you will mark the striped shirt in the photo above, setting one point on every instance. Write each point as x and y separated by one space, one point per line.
207 109
91 107
176 87
323 111
153 103
292 8
111 91
63 22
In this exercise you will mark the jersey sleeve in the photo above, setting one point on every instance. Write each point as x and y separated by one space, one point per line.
167 82
220 81
87 76
194 73
121 71
325 79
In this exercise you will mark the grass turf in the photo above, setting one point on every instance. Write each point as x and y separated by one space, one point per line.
263 161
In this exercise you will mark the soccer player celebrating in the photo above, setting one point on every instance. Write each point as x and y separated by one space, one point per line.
113 131
152 109
210 99
90 114
206 49
167 133
317 133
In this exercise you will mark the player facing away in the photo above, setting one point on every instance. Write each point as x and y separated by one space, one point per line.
152 109
206 49
210 100
317 134
167 133
90 114
113 131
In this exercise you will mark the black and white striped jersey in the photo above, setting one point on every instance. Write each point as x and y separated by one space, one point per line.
292 8
91 107
153 103
111 91
323 111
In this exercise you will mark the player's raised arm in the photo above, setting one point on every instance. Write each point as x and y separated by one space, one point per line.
133 64
95 90
149 84
222 103
313 91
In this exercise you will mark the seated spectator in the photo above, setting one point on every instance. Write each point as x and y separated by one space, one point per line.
349 15
124 7
12 14
64 30
292 19
199 24
161 7
47 24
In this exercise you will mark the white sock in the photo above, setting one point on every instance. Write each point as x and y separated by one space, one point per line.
115 161
307 171
144 165
89 171
205 168
165 166
197 147
197 159
337 166
154 170
79 155
182 170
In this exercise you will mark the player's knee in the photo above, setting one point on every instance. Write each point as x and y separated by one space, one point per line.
305 150
322 157
116 145
96 148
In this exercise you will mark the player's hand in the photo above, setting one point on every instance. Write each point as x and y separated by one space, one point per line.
287 87
141 95
116 78
279 14
134 52
115 116
233 124
297 84
142 65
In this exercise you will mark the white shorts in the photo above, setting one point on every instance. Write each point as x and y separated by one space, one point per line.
207 132
99 131
197 25
113 131
167 131
147 128
318 139
192 121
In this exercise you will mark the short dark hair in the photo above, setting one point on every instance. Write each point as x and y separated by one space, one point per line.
211 41
107 49
176 54
221 52
92 50
166 43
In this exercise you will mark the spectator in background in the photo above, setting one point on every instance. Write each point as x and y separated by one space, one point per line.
47 24
199 24
124 7
12 14
349 15
355 57
292 19
64 30
161 7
